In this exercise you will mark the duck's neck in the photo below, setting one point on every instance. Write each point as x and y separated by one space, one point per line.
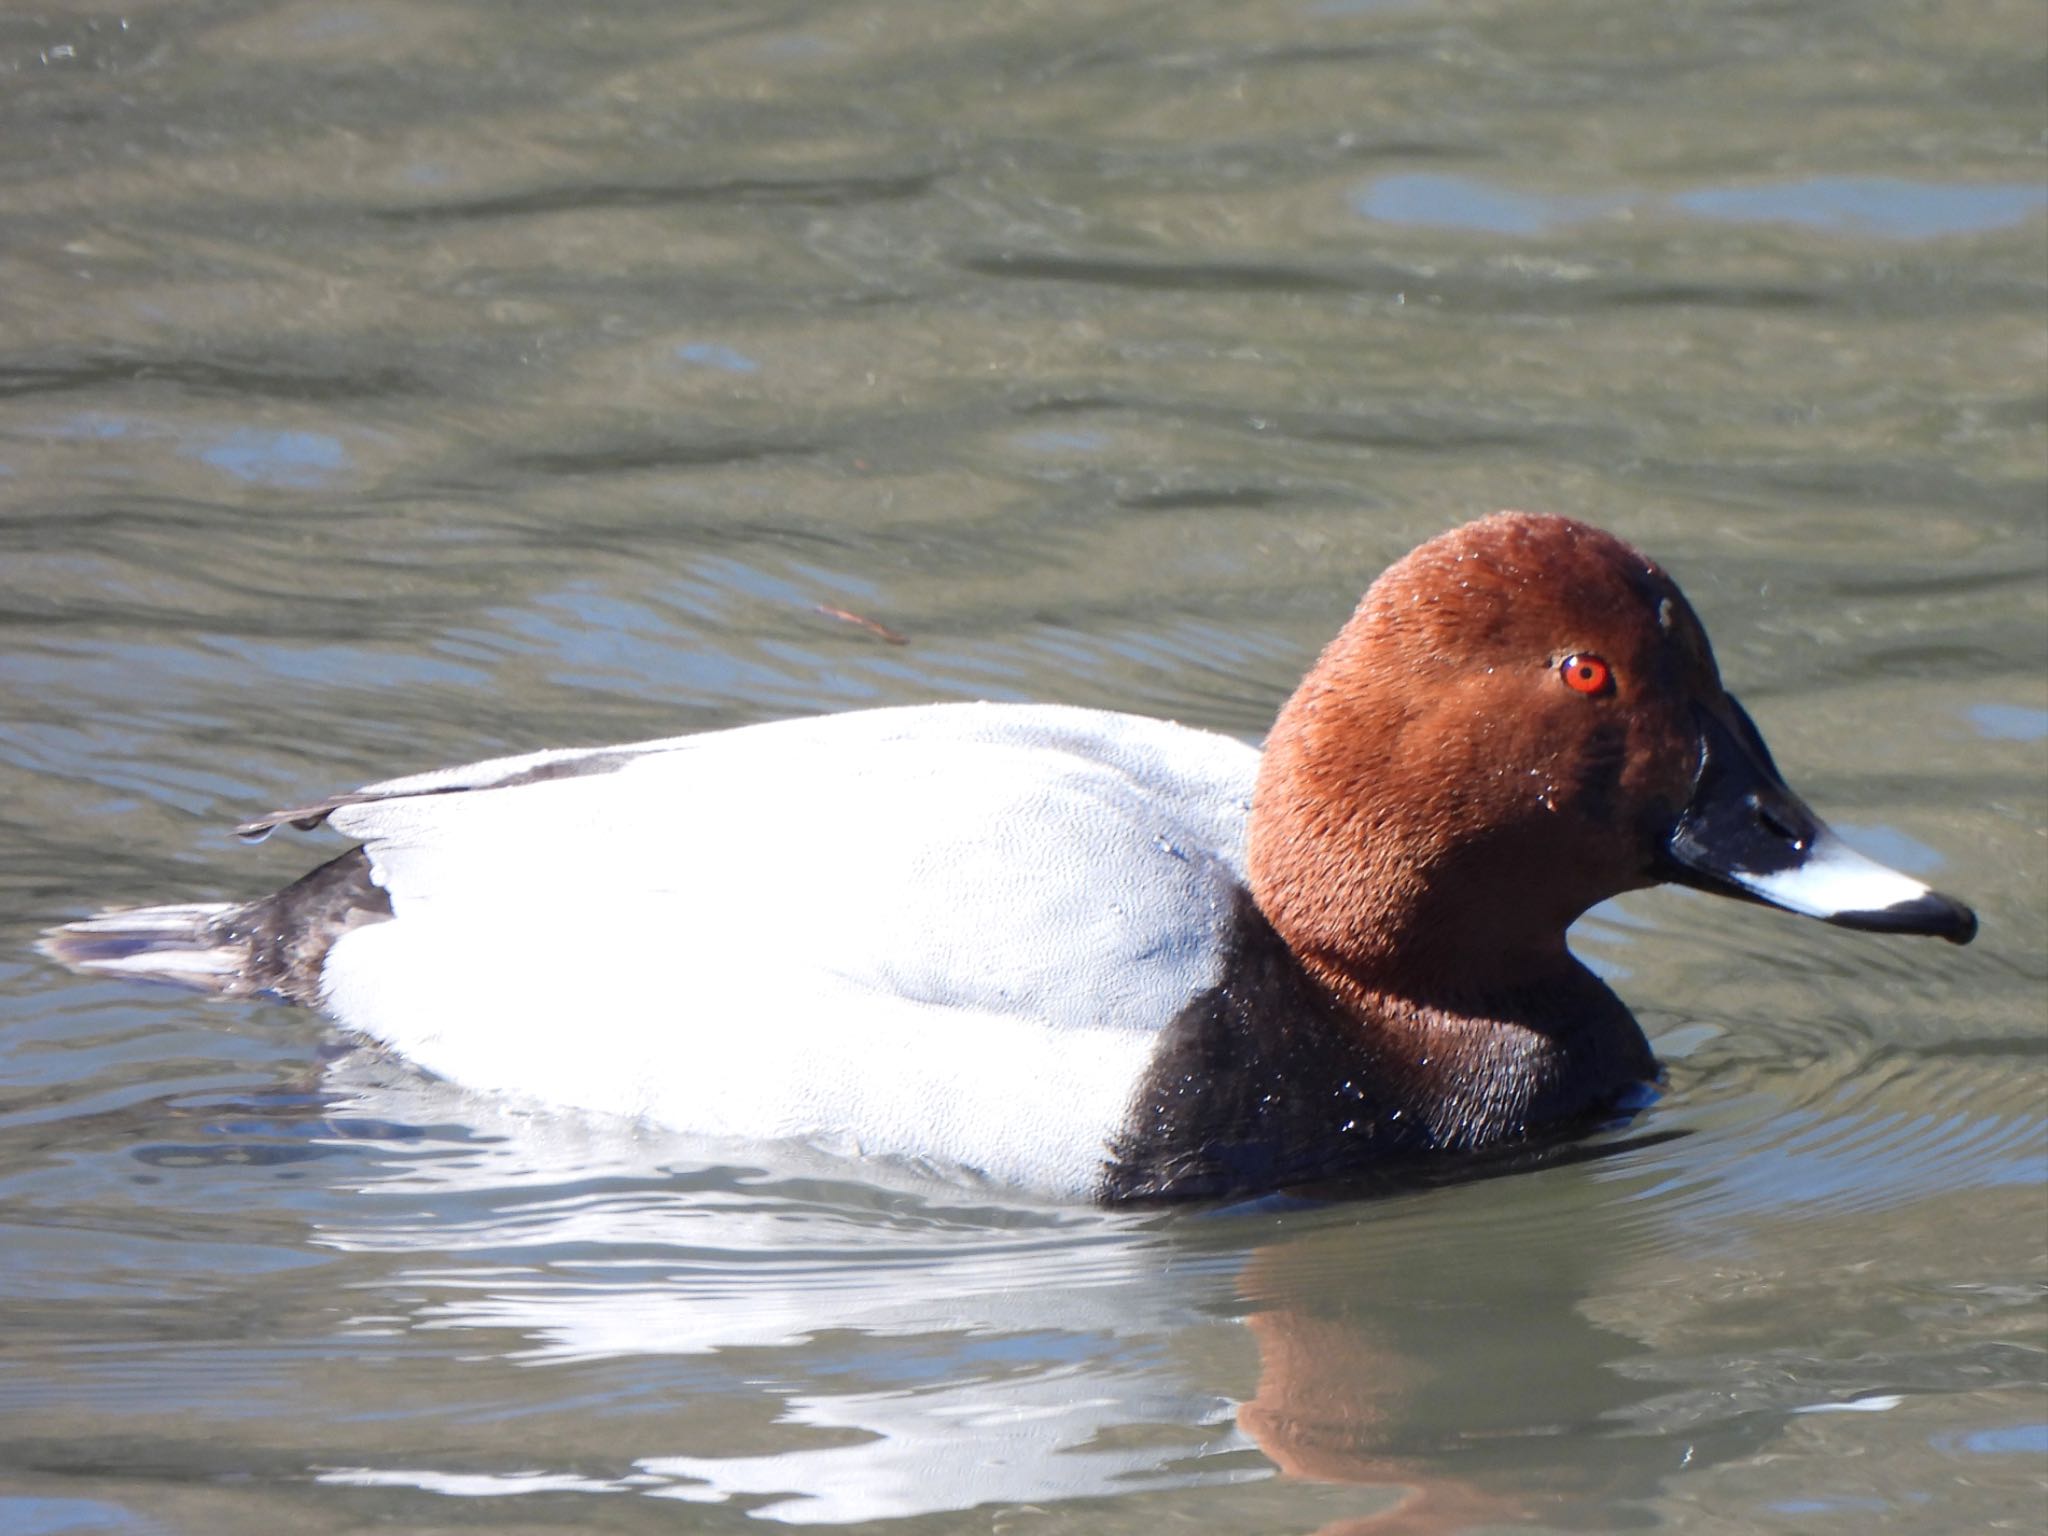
1441 949
1481 1066
1273 1077
1478 1020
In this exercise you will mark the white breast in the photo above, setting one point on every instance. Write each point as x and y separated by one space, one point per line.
945 933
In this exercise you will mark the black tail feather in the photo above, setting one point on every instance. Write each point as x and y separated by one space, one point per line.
276 945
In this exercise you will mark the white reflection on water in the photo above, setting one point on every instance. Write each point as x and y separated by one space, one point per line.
1037 1335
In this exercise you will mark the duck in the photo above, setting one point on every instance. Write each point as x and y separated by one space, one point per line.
1071 952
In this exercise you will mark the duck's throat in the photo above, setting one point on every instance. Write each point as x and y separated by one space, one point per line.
1483 1068
1272 1078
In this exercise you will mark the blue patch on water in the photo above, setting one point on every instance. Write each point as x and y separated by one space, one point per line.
708 354
95 426
2008 722
1887 206
1052 440
1459 202
292 460
2012 1440
2014 1173
1836 1506
21 1516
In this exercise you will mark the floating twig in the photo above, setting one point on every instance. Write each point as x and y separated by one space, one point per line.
881 631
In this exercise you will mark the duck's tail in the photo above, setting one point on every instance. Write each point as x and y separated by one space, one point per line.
187 946
276 946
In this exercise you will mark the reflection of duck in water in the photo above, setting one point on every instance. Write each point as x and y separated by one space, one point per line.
830 1354
1071 951
1467 1386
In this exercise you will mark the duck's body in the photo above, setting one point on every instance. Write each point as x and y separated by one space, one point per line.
1083 953
885 962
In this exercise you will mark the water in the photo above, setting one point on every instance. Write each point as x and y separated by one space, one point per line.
388 385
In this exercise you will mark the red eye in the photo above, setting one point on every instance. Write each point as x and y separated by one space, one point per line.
1585 673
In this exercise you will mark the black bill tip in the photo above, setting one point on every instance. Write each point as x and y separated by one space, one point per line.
1938 916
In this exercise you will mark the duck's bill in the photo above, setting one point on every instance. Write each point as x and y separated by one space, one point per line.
1746 834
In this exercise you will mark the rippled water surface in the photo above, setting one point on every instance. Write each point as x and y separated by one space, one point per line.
388 384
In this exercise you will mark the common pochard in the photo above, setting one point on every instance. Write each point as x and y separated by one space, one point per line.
1082 953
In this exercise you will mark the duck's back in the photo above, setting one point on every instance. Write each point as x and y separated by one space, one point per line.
946 932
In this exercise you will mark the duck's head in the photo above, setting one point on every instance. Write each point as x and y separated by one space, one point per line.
1523 718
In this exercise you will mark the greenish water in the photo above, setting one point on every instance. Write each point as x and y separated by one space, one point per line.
387 384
